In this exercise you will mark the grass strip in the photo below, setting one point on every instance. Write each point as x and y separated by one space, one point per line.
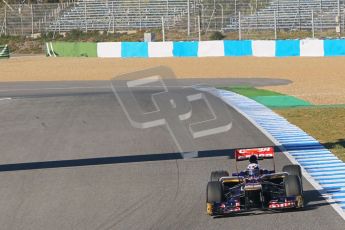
269 98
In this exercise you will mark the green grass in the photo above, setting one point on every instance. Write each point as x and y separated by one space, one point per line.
269 98
252 92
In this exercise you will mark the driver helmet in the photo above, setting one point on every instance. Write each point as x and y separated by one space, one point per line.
253 169
253 159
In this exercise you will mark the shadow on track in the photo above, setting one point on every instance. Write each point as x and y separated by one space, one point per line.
111 160
115 160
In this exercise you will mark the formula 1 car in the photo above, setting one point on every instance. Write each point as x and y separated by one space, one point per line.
254 188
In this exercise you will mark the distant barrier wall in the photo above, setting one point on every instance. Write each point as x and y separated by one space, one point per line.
4 51
256 48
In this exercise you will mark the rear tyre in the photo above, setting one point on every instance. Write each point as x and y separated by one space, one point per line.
292 185
214 192
216 175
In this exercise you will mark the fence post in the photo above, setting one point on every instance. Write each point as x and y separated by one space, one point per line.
21 25
299 14
139 14
343 20
275 25
188 18
163 29
5 21
199 29
112 10
167 10
222 11
312 23
320 5
339 22
239 26
45 22
32 21
85 17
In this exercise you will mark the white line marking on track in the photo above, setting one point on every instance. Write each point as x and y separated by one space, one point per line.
5 98
54 88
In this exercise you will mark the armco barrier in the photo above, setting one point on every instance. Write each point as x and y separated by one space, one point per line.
4 51
257 48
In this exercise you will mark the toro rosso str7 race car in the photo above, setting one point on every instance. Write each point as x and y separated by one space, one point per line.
254 188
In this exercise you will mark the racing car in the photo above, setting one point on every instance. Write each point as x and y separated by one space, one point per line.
254 188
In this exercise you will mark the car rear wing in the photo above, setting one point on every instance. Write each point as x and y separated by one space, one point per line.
261 153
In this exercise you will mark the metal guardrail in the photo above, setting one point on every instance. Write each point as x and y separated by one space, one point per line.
4 51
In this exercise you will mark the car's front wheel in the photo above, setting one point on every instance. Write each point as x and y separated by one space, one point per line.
214 194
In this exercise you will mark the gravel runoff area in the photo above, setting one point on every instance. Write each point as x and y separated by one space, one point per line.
317 80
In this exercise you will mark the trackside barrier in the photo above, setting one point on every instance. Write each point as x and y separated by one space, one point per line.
257 48
287 48
321 168
238 48
4 51
71 49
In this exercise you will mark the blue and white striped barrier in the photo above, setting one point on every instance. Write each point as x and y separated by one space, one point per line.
322 168
257 48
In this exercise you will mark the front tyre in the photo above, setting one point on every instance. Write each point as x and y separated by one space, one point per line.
214 194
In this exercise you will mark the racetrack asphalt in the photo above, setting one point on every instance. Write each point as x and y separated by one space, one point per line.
71 160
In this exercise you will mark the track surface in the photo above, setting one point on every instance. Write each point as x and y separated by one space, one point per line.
157 194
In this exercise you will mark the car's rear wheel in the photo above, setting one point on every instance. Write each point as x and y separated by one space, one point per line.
216 175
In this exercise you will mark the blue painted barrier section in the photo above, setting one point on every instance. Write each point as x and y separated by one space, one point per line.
322 165
287 48
185 49
334 47
238 48
134 49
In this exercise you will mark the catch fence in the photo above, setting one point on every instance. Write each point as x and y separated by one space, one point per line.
180 19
